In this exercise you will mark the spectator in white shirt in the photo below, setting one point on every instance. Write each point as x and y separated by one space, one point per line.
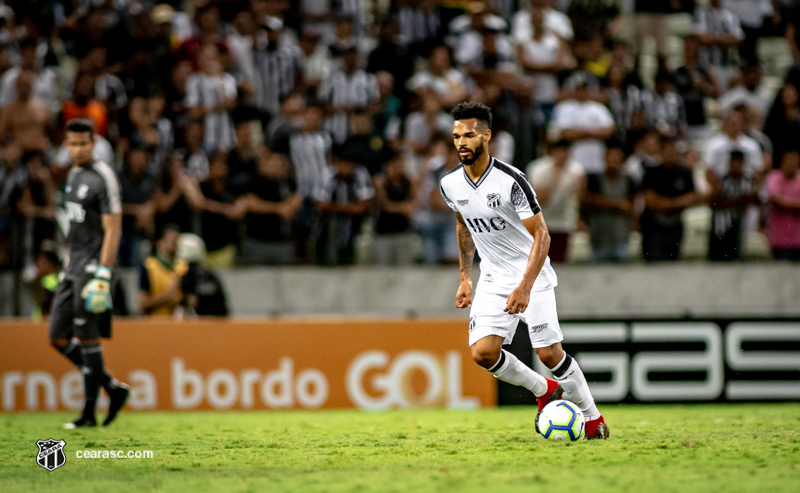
318 63
718 150
44 80
243 44
543 56
422 126
556 22
585 123
749 92
448 83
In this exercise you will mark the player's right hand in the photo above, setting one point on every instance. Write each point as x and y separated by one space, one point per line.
464 295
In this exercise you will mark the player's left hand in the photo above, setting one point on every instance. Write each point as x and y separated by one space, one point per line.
97 292
518 301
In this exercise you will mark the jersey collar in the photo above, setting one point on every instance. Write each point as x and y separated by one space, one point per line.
476 184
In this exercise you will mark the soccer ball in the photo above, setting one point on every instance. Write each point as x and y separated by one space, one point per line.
561 420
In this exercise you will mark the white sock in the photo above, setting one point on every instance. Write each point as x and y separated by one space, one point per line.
576 389
511 370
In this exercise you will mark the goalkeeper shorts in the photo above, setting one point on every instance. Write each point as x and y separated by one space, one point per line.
69 317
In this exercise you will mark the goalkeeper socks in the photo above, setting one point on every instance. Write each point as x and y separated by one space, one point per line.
93 375
576 389
73 352
511 370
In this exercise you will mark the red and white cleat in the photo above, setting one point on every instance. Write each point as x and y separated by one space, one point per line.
597 429
554 393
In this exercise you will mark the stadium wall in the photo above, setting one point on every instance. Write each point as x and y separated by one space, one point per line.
676 290
687 289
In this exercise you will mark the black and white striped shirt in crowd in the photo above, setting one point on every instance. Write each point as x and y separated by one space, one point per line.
665 113
417 26
207 92
623 103
358 89
310 156
334 189
276 72
717 22
722 220
166 140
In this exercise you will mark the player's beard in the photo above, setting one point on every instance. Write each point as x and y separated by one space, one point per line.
475 154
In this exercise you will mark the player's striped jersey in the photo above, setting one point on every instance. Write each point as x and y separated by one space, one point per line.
493 209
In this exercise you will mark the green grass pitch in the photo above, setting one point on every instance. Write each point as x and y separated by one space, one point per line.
704 448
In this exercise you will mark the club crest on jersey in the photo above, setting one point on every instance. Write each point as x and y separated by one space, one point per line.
51 454
82 191
493 200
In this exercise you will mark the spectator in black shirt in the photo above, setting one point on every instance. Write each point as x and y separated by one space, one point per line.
272 203
793 32
160 59
242 158
393 57
397 200
171 204
782 125
37 199
366 148
668 191
138 205
96 30
695 83
608 203
220 211
204 294
13 179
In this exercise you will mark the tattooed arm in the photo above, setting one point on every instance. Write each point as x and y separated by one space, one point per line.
466 252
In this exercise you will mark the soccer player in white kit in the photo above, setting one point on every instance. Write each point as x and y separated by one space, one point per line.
499 216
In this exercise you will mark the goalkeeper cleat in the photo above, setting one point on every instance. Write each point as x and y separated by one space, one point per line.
82 422
118 398
554 393
597 429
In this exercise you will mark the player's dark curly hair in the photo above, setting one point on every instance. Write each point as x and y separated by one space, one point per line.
479 111
80 125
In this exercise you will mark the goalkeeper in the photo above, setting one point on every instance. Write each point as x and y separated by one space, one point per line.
81 306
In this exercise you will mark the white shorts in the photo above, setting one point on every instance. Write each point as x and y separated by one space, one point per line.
487 318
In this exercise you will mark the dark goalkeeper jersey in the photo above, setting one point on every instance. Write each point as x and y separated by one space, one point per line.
90 192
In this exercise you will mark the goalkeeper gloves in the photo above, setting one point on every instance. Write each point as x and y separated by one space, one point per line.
97 292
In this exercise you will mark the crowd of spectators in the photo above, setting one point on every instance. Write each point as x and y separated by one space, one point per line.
298 132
